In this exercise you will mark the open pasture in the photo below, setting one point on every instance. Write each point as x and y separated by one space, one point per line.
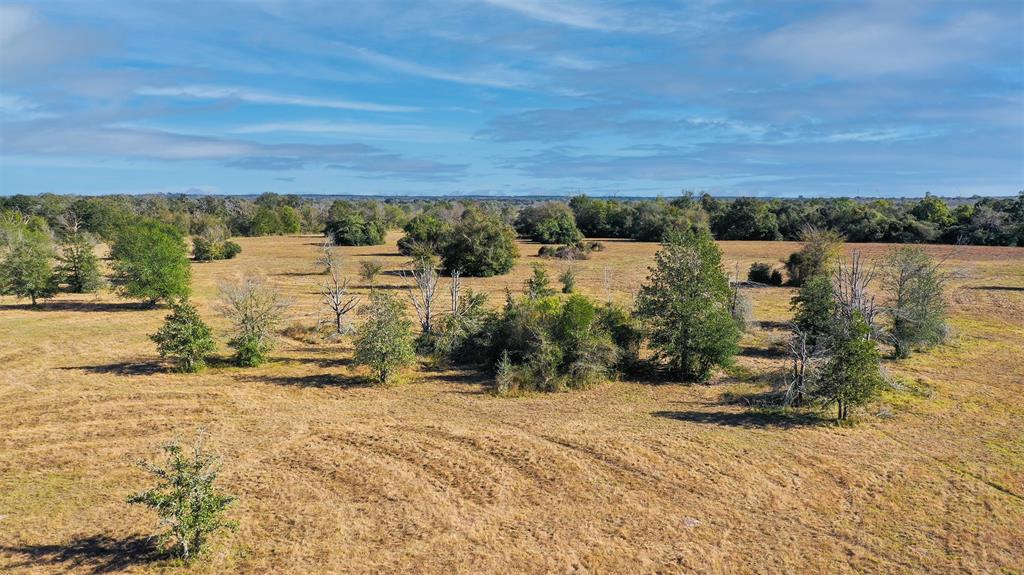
436 475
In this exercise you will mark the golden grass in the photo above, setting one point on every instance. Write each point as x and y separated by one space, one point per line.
437 476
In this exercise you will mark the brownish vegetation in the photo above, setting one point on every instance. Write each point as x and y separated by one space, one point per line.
438 476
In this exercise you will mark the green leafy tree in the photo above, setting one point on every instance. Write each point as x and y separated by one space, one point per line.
686 306
482 245
348 226
916 305
815 309
384 342
151 262
190 505
291 222
185 338
852 375
549 223
817 256
255 309
79 267
370 269
425 234
26 269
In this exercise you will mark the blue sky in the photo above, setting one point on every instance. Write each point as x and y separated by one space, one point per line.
513 97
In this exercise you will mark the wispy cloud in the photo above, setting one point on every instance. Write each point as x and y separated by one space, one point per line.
494 76
200 92
565 13
366 130
61 139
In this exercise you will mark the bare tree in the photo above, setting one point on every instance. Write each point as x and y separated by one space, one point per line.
851 283
336 298
456 290
806 354
422 293
255 308
328 259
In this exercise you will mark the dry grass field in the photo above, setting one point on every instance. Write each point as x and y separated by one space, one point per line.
435 475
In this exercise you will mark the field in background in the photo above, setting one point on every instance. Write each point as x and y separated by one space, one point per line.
438 476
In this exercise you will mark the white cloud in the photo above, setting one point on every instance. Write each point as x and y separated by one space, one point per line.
394 132
258 97
568 14
875 43
494 76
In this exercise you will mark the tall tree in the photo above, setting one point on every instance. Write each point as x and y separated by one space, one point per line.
151 262
685 304
26 269
852 375
79 267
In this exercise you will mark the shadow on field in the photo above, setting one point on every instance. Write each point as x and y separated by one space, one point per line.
82 306
299 274
123 368
774 325
762 352
98 554
317 380
997 288
748 419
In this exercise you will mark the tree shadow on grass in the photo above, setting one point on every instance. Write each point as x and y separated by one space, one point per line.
98 554
997 288
746 419
123 368
82 306
299 274
774 352
317 380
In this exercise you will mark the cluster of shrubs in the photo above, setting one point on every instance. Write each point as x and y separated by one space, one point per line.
476 242
578 251
765 273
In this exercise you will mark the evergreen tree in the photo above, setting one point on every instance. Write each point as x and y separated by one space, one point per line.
815 309
685 304
79 267
852 376
185 338
539 284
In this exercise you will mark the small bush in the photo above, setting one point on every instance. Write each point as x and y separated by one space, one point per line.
369 270
187 500
764 273
385 340
185 338
568 279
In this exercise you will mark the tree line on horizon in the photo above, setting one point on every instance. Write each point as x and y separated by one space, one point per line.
974 221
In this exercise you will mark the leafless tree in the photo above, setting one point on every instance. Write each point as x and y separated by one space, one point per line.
336 298
422 292
804 356
851 282
328 258
456 290
256 308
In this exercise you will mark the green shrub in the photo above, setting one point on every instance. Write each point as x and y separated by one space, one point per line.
185 338
384 342
482 245
187 499
764 273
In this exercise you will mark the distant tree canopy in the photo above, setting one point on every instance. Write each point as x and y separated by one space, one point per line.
352 225
481 244
977 220
151 262
548 223
425 234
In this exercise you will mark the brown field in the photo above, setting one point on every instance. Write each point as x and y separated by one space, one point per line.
436 475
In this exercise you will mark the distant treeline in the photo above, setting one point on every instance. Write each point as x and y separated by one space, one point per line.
978 221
